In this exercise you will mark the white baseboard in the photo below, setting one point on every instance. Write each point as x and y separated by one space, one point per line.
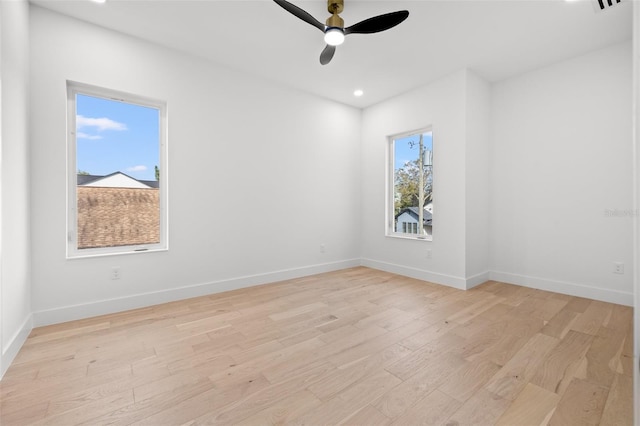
70 313
15 343
572 289
476 280
420 274
596 293
103 307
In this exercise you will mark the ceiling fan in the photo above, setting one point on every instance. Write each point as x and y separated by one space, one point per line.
334 30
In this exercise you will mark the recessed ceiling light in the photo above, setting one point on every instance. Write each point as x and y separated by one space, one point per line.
99 1
358 92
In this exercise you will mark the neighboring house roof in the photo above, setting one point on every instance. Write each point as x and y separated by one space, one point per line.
151 183
112 217
85 179
414 212
115 180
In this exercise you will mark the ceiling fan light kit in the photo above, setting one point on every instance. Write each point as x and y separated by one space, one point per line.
334 36
334 30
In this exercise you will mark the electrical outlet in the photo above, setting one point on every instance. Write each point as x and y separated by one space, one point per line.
115 273
322 248
428 253
618 268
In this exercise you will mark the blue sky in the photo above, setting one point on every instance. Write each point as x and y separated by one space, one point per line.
114 136
403 151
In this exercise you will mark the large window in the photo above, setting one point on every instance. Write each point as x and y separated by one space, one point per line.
410 199
117 175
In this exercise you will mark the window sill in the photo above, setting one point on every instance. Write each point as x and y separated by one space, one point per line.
99 253
410 237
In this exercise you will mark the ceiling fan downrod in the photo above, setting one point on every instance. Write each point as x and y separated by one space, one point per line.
335 7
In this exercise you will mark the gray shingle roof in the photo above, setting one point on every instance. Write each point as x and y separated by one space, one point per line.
111 217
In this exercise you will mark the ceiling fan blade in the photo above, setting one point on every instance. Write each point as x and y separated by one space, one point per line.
305 16
377 23
327 54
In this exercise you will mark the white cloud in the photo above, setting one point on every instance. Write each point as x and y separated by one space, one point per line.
99 124
81 135
139 168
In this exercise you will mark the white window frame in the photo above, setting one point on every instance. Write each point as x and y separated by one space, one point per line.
390 182
73 89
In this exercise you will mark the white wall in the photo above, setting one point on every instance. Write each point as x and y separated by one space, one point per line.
562 157
477 189
525 170
441 104
15 309
259 176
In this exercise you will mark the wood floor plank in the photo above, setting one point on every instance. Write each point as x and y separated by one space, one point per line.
281 369
424 380
369 416
517 372
354 347
350 401
560 324
578 304
582 404
376 344
618 409
407 366
603 357
427 334
534 406
284 411
544 308
345 375
596 315
432 410
255 402
626 364
166 384
558 368
205 404
503 338
298 310
483 408
475 309
90 410
190 397
467 380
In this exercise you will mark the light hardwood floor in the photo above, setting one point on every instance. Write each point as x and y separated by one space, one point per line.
358 346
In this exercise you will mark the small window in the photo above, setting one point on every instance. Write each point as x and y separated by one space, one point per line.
116 172
410 189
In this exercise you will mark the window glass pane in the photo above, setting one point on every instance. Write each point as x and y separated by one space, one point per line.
412 192
118 173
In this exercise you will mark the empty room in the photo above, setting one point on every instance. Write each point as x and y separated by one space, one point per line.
319 212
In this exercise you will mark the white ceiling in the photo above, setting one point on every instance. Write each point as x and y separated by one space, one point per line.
495 38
